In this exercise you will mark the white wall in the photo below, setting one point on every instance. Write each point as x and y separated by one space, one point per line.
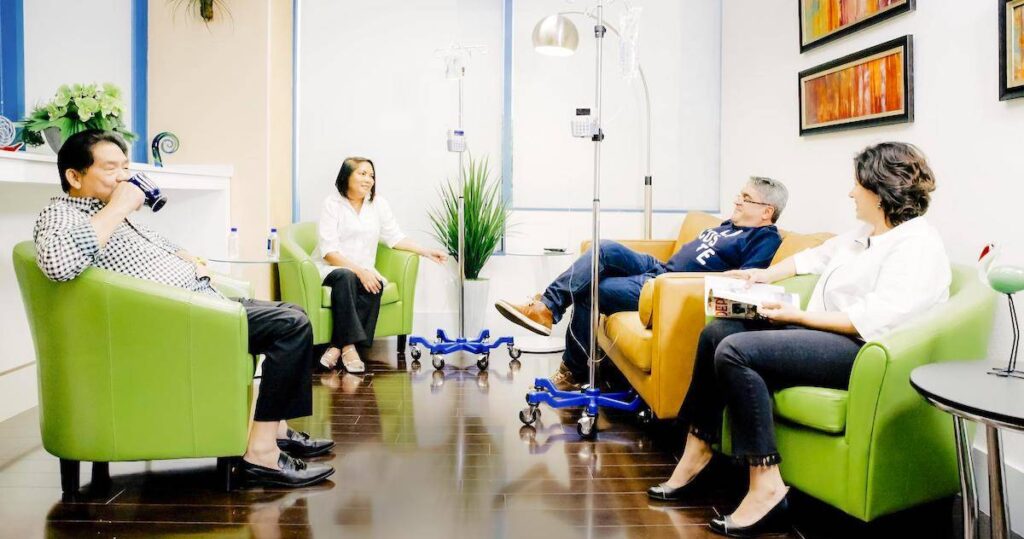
973 140
348 105
77 42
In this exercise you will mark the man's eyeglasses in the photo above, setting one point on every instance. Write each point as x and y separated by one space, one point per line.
747 200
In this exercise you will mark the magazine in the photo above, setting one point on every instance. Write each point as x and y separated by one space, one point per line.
725 297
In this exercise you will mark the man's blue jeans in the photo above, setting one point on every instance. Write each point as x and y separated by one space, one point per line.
622 273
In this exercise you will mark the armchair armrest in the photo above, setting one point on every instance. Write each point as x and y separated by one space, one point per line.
396 266
401 268
165 370
677 320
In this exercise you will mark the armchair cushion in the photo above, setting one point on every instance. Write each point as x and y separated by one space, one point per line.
818 408
388 296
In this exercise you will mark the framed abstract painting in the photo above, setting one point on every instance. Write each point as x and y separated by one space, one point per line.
1011 49
871 87
822 21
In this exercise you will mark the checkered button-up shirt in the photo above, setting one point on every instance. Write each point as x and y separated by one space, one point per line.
66 244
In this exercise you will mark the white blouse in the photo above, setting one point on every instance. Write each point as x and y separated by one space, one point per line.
881 281
354 235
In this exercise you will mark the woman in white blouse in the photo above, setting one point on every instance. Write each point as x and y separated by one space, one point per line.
353 220
888 270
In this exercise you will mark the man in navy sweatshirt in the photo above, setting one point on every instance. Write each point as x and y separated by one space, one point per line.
748 239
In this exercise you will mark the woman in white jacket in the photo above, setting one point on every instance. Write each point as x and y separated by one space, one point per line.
353 220
890 269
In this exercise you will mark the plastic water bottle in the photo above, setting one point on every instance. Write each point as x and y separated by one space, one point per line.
273 245
233 243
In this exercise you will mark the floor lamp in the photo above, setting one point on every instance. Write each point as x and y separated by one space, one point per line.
556 33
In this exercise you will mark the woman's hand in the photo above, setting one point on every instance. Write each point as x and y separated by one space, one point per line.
750 275
781 313
371 282
436 255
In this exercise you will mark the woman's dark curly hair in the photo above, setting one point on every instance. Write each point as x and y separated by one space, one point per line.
348 166
899 174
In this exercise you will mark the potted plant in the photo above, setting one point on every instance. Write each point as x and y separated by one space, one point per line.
486 216
73 109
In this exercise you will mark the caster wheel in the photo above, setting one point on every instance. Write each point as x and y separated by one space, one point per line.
483 362
529 415
587 427
514 352
514 365
436 381
646 416
415 352
528 434
437 361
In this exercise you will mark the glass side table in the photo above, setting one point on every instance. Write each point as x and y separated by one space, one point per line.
547 265
255 260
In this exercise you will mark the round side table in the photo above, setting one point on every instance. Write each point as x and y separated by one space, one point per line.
966 390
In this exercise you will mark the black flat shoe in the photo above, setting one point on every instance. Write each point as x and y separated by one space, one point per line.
696 486
775 521
300 445
293 473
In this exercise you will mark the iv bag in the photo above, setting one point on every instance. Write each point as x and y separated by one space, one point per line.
629 43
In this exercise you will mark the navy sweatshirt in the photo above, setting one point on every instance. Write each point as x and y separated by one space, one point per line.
727 247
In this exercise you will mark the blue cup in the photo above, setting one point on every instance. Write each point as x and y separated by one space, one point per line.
154 198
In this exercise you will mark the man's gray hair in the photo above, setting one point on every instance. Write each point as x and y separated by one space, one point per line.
773 192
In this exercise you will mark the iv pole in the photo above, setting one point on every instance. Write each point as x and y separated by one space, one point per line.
591 397
442 344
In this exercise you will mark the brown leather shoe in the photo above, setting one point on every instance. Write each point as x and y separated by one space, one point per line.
563 380
534 316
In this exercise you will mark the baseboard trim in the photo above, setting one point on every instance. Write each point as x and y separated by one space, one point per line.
18 390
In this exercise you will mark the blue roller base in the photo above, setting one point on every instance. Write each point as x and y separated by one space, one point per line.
444 345
590 398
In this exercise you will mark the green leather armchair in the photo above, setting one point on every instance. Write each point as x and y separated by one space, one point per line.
300 284
878 447
132 370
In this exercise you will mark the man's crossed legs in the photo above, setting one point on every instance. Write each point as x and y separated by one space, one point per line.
622 273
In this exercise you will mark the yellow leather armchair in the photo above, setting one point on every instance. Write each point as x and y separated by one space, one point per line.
655 346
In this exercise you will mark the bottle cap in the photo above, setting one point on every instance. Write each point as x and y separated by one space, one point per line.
234 229
272 229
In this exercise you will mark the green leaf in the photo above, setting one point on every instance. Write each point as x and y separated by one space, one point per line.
486 216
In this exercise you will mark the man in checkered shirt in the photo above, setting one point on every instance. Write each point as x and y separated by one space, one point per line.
90 226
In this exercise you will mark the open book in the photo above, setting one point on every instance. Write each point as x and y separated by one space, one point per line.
725 297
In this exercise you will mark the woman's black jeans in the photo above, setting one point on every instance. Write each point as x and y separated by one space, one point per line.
353 310
739 363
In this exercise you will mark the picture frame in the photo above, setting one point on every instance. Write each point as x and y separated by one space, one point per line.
1011 49
822 21
868 88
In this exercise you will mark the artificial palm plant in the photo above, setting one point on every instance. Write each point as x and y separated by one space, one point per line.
486 216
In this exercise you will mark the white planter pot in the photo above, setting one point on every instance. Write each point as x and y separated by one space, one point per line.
476 305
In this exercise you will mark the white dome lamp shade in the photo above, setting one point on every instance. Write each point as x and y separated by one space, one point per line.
555 35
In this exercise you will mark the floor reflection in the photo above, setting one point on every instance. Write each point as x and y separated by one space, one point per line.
420 453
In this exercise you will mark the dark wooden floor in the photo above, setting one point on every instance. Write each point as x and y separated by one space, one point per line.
420 454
